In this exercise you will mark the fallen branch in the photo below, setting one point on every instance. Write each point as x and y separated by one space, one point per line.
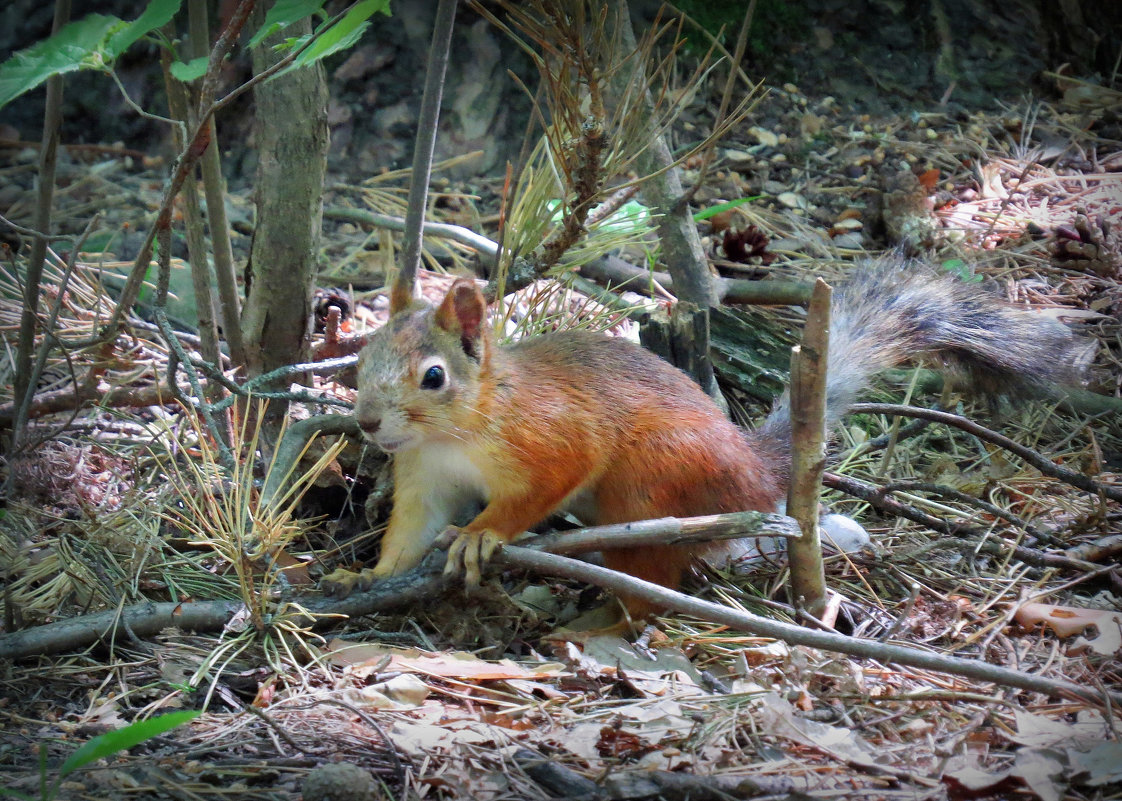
666 531
553 565
423 582
965 498
418 585
1041 463
487 248
615 271
879 499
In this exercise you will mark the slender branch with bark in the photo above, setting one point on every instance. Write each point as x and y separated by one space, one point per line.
180 108
972 539
423 148
808 452
214 189
423 582
553 565
48 159
1040 462
677 232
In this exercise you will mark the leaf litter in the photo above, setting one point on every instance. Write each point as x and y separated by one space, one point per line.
446 703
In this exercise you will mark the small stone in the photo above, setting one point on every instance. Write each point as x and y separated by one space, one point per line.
810 125
340 781
792 200
738 158
764 136
851 240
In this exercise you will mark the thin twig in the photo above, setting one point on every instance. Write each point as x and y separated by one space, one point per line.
31 232
48 160
465 236
423 147
879 499
726 96
177 355
962 497
45 345
667 531
1041 463
553 565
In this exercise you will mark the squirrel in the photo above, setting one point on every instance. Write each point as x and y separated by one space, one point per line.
601 427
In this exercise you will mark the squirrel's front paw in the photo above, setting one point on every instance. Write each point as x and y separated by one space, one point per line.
342 582
469 554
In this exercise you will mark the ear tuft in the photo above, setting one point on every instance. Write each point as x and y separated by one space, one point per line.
464 312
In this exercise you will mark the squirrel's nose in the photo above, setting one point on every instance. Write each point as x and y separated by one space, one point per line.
370 424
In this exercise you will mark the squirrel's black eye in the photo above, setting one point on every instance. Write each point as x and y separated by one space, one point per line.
433 378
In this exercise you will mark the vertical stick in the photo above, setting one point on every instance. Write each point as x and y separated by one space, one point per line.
808 451
214 187
48 159
402 293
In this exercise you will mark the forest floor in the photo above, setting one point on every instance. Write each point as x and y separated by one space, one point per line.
475 697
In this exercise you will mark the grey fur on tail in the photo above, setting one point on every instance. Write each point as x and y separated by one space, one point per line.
893 310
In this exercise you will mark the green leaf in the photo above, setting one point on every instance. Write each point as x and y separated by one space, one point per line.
705 214
191 70
65 51
92 42
118 740
284 13
632 216
962 270
156 14
339 36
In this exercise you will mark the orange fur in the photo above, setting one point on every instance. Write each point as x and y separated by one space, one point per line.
569 417
601 426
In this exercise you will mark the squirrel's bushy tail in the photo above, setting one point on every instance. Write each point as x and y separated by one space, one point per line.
895 309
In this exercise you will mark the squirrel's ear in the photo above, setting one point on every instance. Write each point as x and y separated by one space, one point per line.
463 311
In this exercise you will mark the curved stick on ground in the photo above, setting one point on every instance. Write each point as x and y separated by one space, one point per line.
1041 463
421 583
879 499
553 565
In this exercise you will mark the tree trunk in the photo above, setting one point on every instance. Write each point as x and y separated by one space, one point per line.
292 138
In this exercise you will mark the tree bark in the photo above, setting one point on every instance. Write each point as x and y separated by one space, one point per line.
292 139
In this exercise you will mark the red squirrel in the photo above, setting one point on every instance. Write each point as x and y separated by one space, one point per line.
603 428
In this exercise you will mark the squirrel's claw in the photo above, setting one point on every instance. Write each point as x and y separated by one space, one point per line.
469 554
342 582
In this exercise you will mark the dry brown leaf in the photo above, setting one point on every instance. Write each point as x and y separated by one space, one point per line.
450 665
1067 621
